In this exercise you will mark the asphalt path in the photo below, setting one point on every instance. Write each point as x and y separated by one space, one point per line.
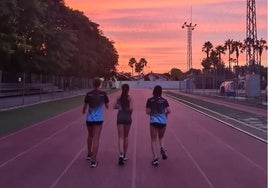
202 152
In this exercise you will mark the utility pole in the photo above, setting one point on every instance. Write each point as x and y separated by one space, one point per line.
251 38
190 27
253 81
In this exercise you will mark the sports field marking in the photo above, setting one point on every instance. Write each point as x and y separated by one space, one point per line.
54 184
235 151
38 144
224 122
192 159
133 184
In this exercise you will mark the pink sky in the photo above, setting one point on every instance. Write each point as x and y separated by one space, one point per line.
152 29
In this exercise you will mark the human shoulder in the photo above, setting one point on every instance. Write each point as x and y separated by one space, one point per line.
89 92
151 98
163 98
102 92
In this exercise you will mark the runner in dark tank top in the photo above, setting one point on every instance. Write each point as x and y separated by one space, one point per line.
124 104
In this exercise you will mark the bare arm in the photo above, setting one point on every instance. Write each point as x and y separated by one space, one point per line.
131 105
107 105
84 108
115 106
148 111
168 111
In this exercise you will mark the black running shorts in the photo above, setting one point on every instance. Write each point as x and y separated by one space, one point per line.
92 123
158 125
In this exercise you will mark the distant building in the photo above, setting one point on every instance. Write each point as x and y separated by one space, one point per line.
156 77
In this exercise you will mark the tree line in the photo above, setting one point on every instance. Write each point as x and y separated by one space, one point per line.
214 69
213 59
48 37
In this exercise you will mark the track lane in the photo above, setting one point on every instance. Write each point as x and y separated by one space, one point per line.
222 153
202 153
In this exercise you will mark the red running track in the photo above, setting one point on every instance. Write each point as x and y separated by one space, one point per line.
202 153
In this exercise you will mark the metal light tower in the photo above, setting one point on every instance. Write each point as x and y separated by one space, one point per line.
251 37
190 27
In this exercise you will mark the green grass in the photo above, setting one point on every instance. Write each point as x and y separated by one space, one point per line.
16 119
13 120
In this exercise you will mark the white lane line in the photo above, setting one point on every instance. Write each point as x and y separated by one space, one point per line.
38 144
219 114
133 185
54 184
235 151
224 122
193 160
36 124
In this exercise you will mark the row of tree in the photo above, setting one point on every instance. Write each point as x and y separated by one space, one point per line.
139 65
214 59
215 70
48 37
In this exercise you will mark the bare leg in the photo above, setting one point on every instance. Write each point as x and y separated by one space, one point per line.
96 138
120 128
126 132
161 134
153 132
89 139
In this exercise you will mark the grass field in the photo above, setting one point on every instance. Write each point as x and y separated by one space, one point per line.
16 119
13 120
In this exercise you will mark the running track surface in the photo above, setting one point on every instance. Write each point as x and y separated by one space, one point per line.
202 153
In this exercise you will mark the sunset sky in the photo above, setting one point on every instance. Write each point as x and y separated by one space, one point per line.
151 29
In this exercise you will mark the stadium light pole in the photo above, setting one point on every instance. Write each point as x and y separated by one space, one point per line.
190 27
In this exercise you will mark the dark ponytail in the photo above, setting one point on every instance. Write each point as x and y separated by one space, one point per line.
124 99
157 92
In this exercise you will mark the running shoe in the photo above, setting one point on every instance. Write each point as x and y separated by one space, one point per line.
125 157
155 162
163 153
88 157
121 160
94 164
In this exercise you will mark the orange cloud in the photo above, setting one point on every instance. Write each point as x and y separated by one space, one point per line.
141 28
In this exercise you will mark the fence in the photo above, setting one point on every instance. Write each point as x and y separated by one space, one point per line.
18 89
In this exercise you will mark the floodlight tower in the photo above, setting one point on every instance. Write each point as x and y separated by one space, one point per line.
190 27
251 38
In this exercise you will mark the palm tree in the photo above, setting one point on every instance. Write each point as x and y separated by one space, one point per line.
220 50
237 47
143 63
140 65
131 63
260 46
249 48
228 46
207 48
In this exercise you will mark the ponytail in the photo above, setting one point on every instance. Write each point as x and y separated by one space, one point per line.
124 98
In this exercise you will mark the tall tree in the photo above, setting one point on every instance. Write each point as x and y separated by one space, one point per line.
260 46
55 40
237 47
132 62
206 63
176 74
140 65
228 45
207 47
8 31
220 50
